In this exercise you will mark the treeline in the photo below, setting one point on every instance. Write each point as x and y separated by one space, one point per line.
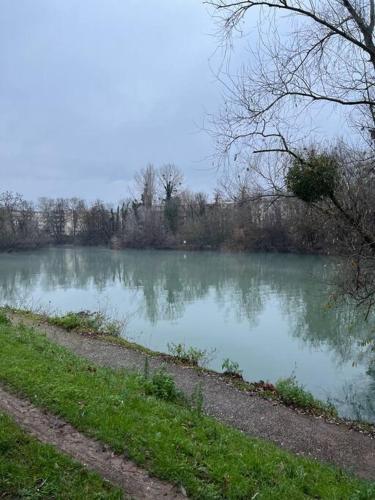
162 214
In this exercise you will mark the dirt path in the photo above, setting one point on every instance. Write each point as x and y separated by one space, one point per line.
302 434
52 430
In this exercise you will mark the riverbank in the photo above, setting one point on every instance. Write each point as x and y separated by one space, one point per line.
180 247
147 420
302 434
96 325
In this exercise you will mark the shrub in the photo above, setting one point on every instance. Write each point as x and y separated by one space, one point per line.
293 394
162 385
190 355
231 368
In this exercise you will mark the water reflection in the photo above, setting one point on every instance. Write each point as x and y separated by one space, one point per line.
241 300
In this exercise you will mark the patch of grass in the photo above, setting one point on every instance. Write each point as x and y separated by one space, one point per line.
210 460
189 355
197 399
162 385
4 319
293 394
87 322
37 317
30 469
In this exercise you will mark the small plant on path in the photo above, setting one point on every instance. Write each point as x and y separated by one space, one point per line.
190 355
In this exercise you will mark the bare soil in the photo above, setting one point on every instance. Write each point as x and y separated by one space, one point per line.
50 429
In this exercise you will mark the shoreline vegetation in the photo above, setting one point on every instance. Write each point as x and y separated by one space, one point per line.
144 417
287 391
240 221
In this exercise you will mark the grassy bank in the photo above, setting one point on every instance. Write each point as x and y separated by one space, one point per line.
30 469
286 391
147 421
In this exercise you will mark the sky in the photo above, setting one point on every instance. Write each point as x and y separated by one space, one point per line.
91 91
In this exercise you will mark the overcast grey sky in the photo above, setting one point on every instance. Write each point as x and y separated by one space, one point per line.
92 90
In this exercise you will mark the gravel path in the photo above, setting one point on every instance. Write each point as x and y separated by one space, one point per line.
302 434
134 481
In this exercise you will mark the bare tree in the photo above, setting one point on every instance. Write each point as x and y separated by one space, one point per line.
237 183
18 223
146 184
322 55
77 208
326 54
170 178
54 216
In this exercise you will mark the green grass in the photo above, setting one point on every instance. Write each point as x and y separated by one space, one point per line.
73 322
3 319
87 322
162 385
174 442
287 390
30 469
293 394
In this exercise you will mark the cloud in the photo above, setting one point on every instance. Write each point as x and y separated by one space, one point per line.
91 91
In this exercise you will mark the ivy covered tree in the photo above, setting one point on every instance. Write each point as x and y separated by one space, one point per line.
307 57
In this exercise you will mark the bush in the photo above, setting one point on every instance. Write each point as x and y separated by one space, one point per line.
162 385
189 355
293 394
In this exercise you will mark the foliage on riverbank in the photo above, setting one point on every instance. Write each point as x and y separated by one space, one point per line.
171 440
187 220
293 394
287 391
30 469
190 356
87 322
